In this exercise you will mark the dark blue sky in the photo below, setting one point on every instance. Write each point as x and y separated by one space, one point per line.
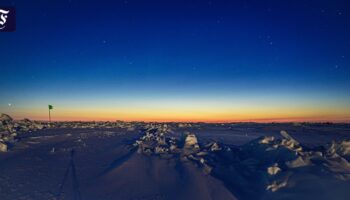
284 52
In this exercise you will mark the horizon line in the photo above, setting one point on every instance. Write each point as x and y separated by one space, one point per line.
198 121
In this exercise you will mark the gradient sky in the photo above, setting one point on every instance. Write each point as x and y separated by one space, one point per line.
177 60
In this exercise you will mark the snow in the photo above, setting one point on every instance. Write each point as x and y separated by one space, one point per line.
136 160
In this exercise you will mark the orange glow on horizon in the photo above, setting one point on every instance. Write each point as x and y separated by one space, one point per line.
196 113
186 117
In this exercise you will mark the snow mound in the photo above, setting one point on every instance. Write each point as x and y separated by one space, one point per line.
10 129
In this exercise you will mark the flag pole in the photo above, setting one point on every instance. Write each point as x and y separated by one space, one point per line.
50 108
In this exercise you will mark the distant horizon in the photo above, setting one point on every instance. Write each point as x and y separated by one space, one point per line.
266 120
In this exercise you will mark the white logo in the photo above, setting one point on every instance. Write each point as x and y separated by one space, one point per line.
3 17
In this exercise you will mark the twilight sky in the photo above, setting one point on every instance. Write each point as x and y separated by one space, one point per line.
177 60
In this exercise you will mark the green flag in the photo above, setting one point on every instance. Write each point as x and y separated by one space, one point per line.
50 107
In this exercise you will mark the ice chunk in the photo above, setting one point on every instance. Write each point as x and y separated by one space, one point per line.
273 169
5 118
342 148
298 162
267 140
191 140
274 186
289 138
3 147
215 147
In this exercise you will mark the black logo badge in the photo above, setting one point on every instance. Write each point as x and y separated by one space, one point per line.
7 19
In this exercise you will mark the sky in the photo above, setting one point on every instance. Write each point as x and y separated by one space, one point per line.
183 60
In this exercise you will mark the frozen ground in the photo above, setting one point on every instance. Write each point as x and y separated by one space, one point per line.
147 161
